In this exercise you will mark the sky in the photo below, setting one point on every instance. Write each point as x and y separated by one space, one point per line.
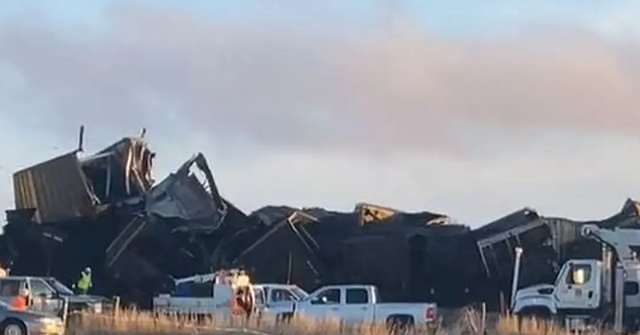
472 109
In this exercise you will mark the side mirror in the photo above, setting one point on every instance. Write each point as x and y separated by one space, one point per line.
325 300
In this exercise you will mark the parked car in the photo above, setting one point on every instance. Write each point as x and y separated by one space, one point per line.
47 294
16 322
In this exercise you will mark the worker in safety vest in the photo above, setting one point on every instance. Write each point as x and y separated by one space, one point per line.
20 301
244 300
84 283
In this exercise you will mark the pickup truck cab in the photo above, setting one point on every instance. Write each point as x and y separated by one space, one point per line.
276 299
361 304
47 294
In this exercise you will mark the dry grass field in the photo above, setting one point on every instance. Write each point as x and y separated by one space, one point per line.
132 322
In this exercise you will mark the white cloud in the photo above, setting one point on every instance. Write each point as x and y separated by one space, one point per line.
585 180
306 117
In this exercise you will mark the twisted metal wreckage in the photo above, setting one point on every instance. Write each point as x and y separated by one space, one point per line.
106 211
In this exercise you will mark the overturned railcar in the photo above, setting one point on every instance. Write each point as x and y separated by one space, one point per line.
548 242
105 211
285 253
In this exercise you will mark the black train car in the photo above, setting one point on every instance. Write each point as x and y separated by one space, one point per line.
547 243
444 266
285 253
436 263
377 259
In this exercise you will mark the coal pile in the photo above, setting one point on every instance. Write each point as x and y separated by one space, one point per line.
107 211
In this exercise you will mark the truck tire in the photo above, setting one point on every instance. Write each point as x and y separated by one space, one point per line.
284 318
13 327
535 312
398 324
538 313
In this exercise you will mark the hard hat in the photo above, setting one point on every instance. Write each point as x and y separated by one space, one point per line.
87 269
24 292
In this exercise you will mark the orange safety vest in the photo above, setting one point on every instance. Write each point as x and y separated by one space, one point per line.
236 308
19 303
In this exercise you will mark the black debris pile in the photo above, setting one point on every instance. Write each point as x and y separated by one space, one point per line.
108 212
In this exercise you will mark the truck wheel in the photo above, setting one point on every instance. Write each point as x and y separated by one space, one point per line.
284 318
398 324
537 313
13 327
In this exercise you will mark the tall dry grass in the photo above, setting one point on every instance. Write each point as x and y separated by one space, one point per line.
143 323
133 322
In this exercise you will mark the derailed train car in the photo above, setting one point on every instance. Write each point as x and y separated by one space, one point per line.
108 212
548 242
105 211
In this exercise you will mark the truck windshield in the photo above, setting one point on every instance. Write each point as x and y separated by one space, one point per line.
299 293
59 287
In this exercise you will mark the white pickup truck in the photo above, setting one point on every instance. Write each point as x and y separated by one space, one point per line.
216 299
361 304
273 300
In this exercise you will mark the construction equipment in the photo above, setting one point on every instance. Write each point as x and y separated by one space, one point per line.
590 293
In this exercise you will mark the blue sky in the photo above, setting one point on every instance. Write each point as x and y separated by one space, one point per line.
462 18
469 108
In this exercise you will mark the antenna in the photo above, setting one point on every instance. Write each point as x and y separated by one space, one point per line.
81 140
144 132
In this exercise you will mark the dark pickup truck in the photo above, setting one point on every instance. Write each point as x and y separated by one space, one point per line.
47 294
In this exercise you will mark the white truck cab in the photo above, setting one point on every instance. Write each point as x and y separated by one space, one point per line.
277 299
589 292
577 286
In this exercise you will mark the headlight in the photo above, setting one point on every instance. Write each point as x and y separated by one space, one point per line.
97 307
50 321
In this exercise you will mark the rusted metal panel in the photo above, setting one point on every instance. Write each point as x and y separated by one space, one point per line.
55 188
369 213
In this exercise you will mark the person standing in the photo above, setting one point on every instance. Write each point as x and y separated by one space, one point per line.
84 283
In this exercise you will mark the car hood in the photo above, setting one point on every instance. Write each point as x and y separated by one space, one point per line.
26 314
